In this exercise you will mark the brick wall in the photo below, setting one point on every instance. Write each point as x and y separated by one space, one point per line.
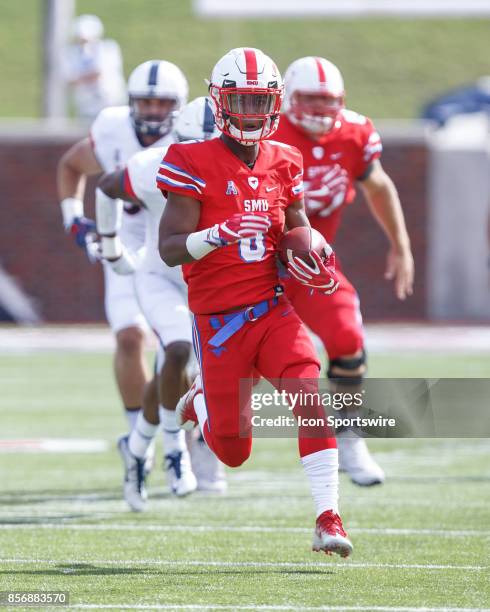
33 246
51 269
362 247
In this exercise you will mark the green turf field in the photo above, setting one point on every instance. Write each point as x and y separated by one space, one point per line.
391 66
421 540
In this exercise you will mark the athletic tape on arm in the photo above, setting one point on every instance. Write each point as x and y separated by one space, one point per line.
197 245
108 213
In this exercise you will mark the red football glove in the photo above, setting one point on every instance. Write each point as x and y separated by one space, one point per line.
326 192
247 225
320 276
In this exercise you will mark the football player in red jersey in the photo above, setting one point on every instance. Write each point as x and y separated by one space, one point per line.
229 199
341 149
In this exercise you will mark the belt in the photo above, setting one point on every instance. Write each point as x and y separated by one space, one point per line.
236 320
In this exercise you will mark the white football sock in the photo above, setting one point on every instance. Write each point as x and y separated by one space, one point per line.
173 436
322 469
141 436
132 415
201 410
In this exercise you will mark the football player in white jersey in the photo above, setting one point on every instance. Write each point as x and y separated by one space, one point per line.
157 91
162 295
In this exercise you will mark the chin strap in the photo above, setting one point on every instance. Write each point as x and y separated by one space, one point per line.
264 132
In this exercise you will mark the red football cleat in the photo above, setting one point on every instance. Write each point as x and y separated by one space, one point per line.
185 414
329 535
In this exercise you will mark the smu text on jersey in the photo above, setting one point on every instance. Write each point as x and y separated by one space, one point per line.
256 205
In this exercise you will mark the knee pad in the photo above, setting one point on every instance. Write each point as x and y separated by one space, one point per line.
350 364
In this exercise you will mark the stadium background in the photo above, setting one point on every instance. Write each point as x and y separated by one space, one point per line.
391 68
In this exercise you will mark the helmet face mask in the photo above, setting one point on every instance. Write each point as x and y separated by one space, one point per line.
157 92
240 102
246 94
315 112
245 115
314 94
153 116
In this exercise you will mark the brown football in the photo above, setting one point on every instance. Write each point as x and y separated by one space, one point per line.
300 241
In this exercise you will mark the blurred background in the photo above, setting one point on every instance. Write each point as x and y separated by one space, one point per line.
417 68
396 58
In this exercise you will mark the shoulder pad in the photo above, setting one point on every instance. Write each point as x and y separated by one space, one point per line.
350 116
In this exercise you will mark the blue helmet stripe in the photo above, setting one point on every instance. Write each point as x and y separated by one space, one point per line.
208 125
152 78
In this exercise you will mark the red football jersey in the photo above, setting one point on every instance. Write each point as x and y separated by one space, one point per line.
244 273
353 143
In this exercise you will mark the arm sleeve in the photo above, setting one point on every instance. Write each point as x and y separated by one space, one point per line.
99 135
370 149
139 176
177 174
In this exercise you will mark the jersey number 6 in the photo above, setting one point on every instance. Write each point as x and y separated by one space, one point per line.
252 249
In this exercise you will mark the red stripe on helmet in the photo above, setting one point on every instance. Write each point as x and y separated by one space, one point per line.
321 71
251 64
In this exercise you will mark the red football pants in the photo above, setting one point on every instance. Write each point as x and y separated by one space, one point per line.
335 318
277 345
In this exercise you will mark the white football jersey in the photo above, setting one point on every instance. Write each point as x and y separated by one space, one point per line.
114 141
142 170
109 89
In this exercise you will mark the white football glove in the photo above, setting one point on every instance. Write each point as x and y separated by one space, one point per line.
93 248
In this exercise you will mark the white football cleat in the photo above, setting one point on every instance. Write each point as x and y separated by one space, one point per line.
134 488
150 458
207 468
357 461
180 477
329 535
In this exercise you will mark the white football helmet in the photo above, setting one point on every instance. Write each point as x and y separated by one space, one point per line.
314 94
246 92
196 121
156 79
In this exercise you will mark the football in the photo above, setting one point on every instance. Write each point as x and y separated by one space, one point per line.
300 241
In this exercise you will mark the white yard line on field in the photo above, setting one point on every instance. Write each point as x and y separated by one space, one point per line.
284 564
384 337
53 445
387 531
272 608
297 499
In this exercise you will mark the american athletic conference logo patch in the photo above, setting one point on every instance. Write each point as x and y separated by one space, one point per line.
231 188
